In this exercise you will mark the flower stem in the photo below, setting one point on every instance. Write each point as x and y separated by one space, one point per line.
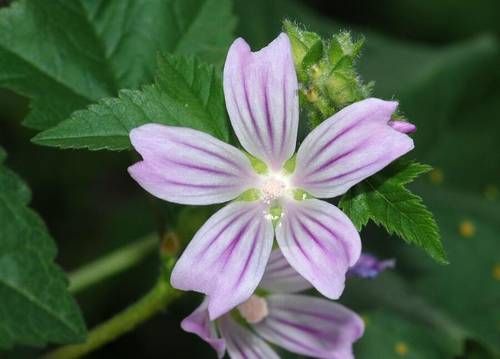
111 264
151 303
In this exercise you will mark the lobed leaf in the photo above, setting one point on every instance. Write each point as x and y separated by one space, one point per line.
36 307
186 93
384 199
66 54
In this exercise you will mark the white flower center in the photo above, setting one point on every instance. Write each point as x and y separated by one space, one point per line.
254 309
273 187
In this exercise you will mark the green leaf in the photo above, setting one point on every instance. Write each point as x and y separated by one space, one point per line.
186 93
393 337
384 199
35 306
66 54
469 288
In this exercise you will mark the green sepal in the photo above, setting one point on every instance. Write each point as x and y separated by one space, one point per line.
258 165
252 194
289 165
301 195
275 212
326 72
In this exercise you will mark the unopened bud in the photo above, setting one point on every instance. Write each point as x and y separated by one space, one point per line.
312 95
403 126
170 244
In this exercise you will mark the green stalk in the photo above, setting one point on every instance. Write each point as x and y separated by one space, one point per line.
160 296
112 264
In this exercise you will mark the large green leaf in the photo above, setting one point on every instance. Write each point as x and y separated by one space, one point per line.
35 306
186 93
384 199
468 290
391 336
65 54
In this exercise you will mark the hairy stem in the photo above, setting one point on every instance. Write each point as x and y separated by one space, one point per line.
113 263
151 303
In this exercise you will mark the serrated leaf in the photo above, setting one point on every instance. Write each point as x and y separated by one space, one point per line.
186 93
66 54
384 199
35 305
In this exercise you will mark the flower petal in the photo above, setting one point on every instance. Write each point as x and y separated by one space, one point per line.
280 277
242 343
261 98
186 166
199 323
320 242
310 326
350 146
227 256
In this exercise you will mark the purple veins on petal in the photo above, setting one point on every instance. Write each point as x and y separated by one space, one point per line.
241 343
186 166
280 277
310 326
260 89
227 256
199 323
369 266
360 140
319 242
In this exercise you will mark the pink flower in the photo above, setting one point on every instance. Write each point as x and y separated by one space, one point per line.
299 323
227 257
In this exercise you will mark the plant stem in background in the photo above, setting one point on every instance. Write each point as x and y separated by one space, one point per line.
151 303
113 263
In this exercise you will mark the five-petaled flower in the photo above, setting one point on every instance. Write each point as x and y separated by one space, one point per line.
227 257
299 323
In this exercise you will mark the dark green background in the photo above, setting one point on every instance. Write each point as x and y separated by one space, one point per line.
440 58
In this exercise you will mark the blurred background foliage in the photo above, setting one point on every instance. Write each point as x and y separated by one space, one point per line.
440 59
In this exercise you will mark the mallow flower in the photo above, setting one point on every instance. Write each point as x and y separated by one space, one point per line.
276 314
273 192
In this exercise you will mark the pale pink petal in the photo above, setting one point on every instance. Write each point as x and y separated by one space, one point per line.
310 326
280 277
319 242
241 343
186 166
199 323
350 146
261 98
227 256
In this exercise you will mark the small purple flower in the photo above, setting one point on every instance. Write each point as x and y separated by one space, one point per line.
369 266
227 257
281 277
298 323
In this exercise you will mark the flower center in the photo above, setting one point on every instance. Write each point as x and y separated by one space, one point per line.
254 309
273 187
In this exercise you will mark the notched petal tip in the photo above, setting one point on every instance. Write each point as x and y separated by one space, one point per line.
198 323
226 258
350 146
260 89
320 242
